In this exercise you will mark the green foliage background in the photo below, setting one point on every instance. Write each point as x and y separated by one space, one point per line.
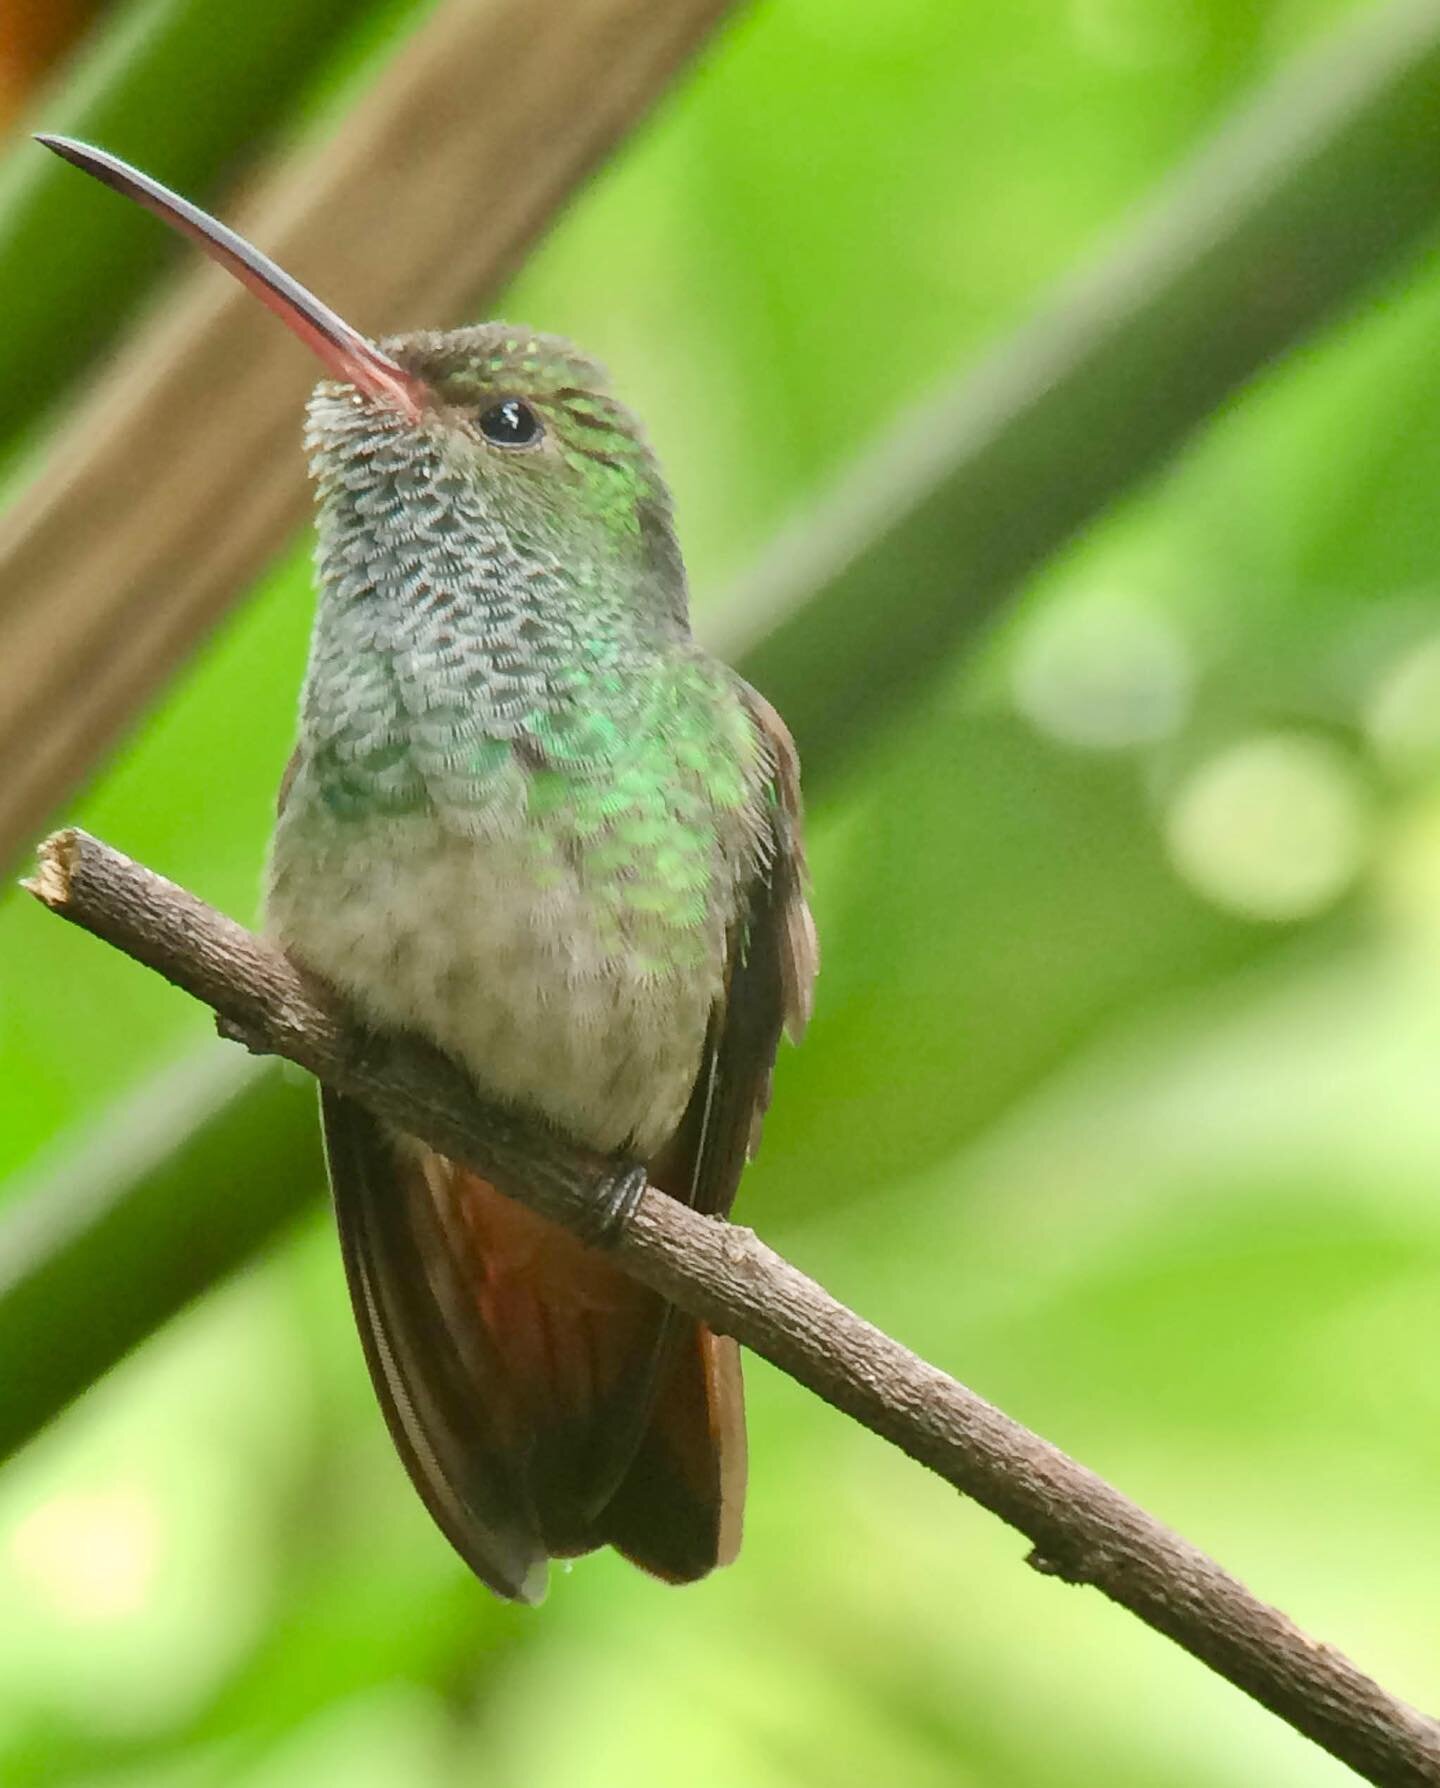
1120 1102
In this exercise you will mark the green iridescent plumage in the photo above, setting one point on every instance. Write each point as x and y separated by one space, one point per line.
546 688
529 819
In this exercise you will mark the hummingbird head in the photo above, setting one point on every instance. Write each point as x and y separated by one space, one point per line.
489 449
519 435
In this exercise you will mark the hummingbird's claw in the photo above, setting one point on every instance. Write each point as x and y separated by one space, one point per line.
616 1199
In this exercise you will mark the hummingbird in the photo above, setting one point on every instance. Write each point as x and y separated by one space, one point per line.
530 820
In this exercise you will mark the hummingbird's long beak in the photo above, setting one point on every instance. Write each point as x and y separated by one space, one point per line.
342 350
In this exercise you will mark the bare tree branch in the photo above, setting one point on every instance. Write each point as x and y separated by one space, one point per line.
1080 1527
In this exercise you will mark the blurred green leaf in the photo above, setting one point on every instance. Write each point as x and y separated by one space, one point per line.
1155 1175
184 89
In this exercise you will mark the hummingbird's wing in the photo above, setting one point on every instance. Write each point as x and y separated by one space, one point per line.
677 1512
516 1367
774 959
434 1368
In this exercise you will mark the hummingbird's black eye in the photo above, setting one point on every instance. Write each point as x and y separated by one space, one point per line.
510 423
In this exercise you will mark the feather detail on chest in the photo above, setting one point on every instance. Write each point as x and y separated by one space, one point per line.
555 908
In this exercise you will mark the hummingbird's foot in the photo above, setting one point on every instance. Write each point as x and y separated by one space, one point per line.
616 1198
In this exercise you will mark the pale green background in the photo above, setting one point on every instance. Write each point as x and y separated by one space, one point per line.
1121 1098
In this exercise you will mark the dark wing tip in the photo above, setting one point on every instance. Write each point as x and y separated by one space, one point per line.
679 1511
431 1385
533 1586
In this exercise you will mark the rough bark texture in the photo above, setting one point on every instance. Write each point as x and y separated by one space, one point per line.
1080 1527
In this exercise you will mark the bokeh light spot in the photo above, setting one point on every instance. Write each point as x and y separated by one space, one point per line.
1274 827
1103 672
1403 715
1137 34
92 1556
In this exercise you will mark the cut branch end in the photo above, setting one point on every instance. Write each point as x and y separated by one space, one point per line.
54 866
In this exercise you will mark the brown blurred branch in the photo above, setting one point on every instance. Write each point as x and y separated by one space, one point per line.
1080 1527
181 472
34 34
